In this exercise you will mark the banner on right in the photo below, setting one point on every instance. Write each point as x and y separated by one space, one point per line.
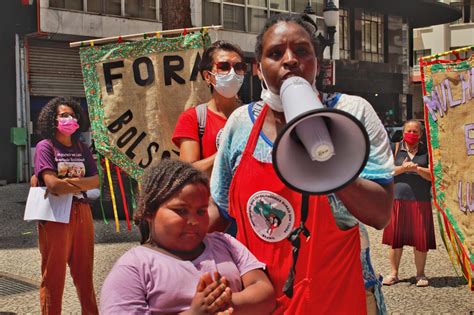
448 95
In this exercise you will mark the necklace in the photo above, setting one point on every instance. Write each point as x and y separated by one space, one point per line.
413 149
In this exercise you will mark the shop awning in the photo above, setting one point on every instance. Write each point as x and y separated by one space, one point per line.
420 13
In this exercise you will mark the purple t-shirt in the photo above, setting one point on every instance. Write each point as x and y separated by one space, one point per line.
144 280
73 161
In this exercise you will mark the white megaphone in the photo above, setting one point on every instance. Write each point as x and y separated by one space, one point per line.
319 150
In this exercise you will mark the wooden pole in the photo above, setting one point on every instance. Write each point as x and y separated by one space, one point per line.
112 39
436 56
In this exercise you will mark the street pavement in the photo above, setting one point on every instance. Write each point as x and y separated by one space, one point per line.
20 259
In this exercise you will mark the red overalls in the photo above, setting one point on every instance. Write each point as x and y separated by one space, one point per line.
328 276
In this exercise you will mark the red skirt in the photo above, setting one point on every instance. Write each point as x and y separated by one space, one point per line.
412 225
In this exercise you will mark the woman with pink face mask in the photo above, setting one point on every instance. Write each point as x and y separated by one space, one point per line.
412 219
65 165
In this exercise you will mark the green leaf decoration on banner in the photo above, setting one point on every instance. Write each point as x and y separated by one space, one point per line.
452 162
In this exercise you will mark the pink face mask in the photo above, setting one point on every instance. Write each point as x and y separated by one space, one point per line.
67 126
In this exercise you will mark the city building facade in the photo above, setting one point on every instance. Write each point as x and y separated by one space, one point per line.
435 39
372 51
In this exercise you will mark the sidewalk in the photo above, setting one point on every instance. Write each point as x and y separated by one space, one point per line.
19 257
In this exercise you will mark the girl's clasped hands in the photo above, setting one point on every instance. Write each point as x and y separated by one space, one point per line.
213 296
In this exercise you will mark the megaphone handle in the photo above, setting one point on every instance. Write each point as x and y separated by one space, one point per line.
304 213
294 238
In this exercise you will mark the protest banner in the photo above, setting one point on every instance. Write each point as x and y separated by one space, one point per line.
448 95
135 92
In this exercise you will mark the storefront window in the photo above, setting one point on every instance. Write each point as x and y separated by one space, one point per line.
251 15
344 35
467 11
66 4
211 13
104 6
257 19
417 54
458 5
234 17
299 5
257 3
372 37
462 54
279 5
145 9
471 12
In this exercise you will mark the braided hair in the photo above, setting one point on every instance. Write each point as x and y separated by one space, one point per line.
47 122
162 182
307 23
301 19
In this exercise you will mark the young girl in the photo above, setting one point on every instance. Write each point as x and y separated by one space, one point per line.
65 165
171 271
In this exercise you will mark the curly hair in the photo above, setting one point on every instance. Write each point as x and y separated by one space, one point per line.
47 122
301 19
162 182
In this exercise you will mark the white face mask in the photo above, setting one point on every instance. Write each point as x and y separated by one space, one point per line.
228 84
273 100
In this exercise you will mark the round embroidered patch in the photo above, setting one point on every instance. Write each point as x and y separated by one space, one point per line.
271 216
218 138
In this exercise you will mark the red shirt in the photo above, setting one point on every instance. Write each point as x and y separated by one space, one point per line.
187 128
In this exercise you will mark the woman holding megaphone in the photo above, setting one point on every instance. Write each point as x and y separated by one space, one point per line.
310 244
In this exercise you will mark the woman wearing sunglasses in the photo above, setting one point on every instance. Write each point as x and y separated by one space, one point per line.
198 129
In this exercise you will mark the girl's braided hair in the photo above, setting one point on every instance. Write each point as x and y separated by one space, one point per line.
161 182
47 120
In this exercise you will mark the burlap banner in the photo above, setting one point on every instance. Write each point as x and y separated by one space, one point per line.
135 92
449 112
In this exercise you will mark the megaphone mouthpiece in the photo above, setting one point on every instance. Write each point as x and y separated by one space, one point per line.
312 133
299 96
